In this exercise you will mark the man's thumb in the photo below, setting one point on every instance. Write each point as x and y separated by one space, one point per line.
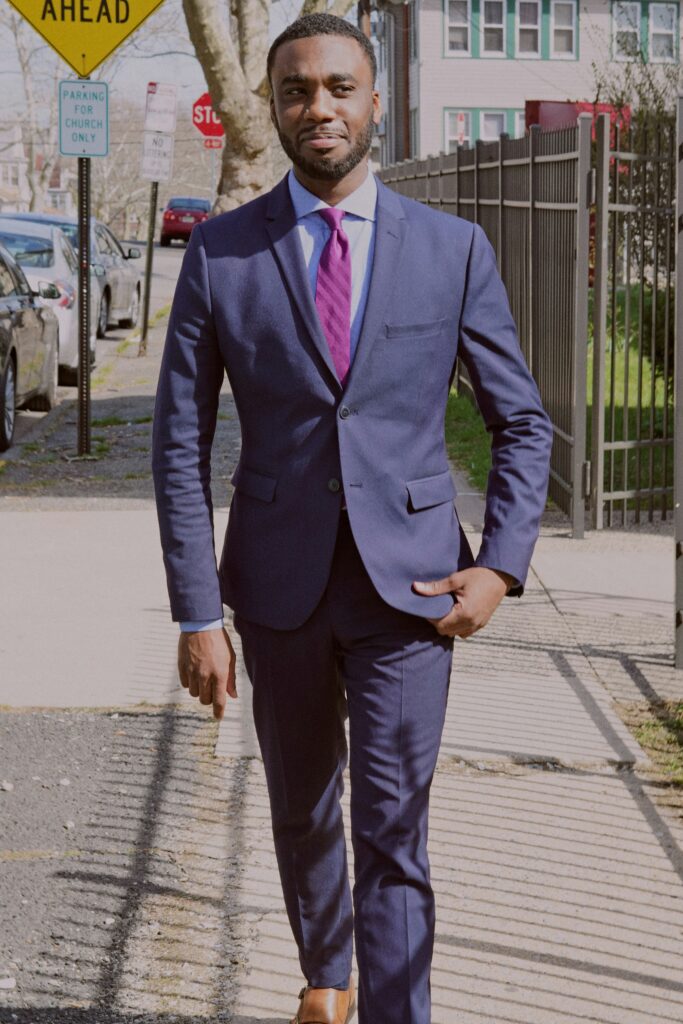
434 587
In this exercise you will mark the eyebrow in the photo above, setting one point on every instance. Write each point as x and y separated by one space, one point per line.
335 78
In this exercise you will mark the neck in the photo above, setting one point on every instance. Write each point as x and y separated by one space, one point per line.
332 192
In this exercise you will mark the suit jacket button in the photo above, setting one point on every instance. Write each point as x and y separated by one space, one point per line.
344 411
333 485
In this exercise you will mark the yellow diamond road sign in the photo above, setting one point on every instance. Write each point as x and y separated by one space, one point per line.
85 32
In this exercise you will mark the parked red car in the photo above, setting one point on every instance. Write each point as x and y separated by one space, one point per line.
181 215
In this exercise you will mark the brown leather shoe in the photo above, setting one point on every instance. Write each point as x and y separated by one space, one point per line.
326 1005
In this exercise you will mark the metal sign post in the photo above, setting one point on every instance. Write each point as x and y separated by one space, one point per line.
84 133
151 226
678 402
157 165
84 305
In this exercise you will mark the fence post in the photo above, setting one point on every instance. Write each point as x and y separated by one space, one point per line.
600 319
533 135
581 243
678 399
501 192
475 187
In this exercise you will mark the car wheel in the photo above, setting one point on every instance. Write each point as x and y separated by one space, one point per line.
132 320
103 318
8 405
164 241
48 400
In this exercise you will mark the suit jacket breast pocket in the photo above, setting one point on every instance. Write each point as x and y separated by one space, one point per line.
424 329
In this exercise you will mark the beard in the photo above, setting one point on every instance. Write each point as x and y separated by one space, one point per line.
330 170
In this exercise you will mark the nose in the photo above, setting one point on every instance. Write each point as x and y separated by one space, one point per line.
319 106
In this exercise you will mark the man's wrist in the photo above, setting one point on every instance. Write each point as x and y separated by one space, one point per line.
507 579
200 625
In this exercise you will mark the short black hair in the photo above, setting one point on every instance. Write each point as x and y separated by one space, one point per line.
323 25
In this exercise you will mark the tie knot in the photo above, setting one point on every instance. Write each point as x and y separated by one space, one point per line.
332 217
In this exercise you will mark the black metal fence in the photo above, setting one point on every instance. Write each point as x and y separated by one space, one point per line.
634 324
531 196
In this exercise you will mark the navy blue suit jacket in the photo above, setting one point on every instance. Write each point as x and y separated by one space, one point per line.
243 304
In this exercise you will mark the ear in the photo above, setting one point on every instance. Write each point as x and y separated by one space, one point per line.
273 115
376 107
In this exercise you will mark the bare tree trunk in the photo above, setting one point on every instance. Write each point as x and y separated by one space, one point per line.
237 93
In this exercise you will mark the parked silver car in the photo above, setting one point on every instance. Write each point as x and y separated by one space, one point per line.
45 254
120 284
29 334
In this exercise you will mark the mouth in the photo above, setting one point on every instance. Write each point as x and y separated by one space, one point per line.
322 140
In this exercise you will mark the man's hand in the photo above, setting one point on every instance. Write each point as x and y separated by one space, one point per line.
477 591
206 666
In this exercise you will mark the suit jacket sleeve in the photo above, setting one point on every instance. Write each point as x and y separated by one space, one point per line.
185 413
521 432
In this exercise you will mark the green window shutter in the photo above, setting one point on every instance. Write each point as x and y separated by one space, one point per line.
476 22
545 30
510 30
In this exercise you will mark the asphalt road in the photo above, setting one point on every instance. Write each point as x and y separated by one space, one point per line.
165 269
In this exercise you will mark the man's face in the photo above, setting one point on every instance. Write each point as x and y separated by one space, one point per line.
324 107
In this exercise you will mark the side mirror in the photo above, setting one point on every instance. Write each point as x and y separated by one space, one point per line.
48 290
133 254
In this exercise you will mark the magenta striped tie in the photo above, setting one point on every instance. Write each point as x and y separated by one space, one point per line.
333 292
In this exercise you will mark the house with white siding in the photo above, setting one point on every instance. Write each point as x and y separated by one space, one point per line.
454 71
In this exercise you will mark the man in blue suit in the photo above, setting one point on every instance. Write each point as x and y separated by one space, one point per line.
337 309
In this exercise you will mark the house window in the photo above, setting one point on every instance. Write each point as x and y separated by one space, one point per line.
626 29
564 28
412 32
529 28
663 31
458 27
458 129
9 174
520 123
493 39
492 124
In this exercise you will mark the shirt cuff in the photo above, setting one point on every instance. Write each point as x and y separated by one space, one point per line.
201 625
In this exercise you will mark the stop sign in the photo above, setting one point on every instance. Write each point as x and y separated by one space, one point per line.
205 118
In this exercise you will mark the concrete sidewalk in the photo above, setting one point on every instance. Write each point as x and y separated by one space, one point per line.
145 889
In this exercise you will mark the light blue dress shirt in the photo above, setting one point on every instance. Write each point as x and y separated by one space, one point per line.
359 227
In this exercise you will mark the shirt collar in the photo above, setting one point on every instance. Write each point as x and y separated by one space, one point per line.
361 203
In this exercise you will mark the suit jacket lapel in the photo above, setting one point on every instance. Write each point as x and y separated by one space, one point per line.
281 226
389 233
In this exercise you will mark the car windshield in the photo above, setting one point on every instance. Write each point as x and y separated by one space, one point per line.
189 204
28 250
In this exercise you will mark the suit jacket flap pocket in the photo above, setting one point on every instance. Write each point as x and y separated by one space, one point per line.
256 485
414 330
431 490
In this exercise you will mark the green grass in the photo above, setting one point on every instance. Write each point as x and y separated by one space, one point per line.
659 730
109 421
467 442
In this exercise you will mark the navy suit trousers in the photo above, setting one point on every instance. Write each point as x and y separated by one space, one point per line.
389 672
